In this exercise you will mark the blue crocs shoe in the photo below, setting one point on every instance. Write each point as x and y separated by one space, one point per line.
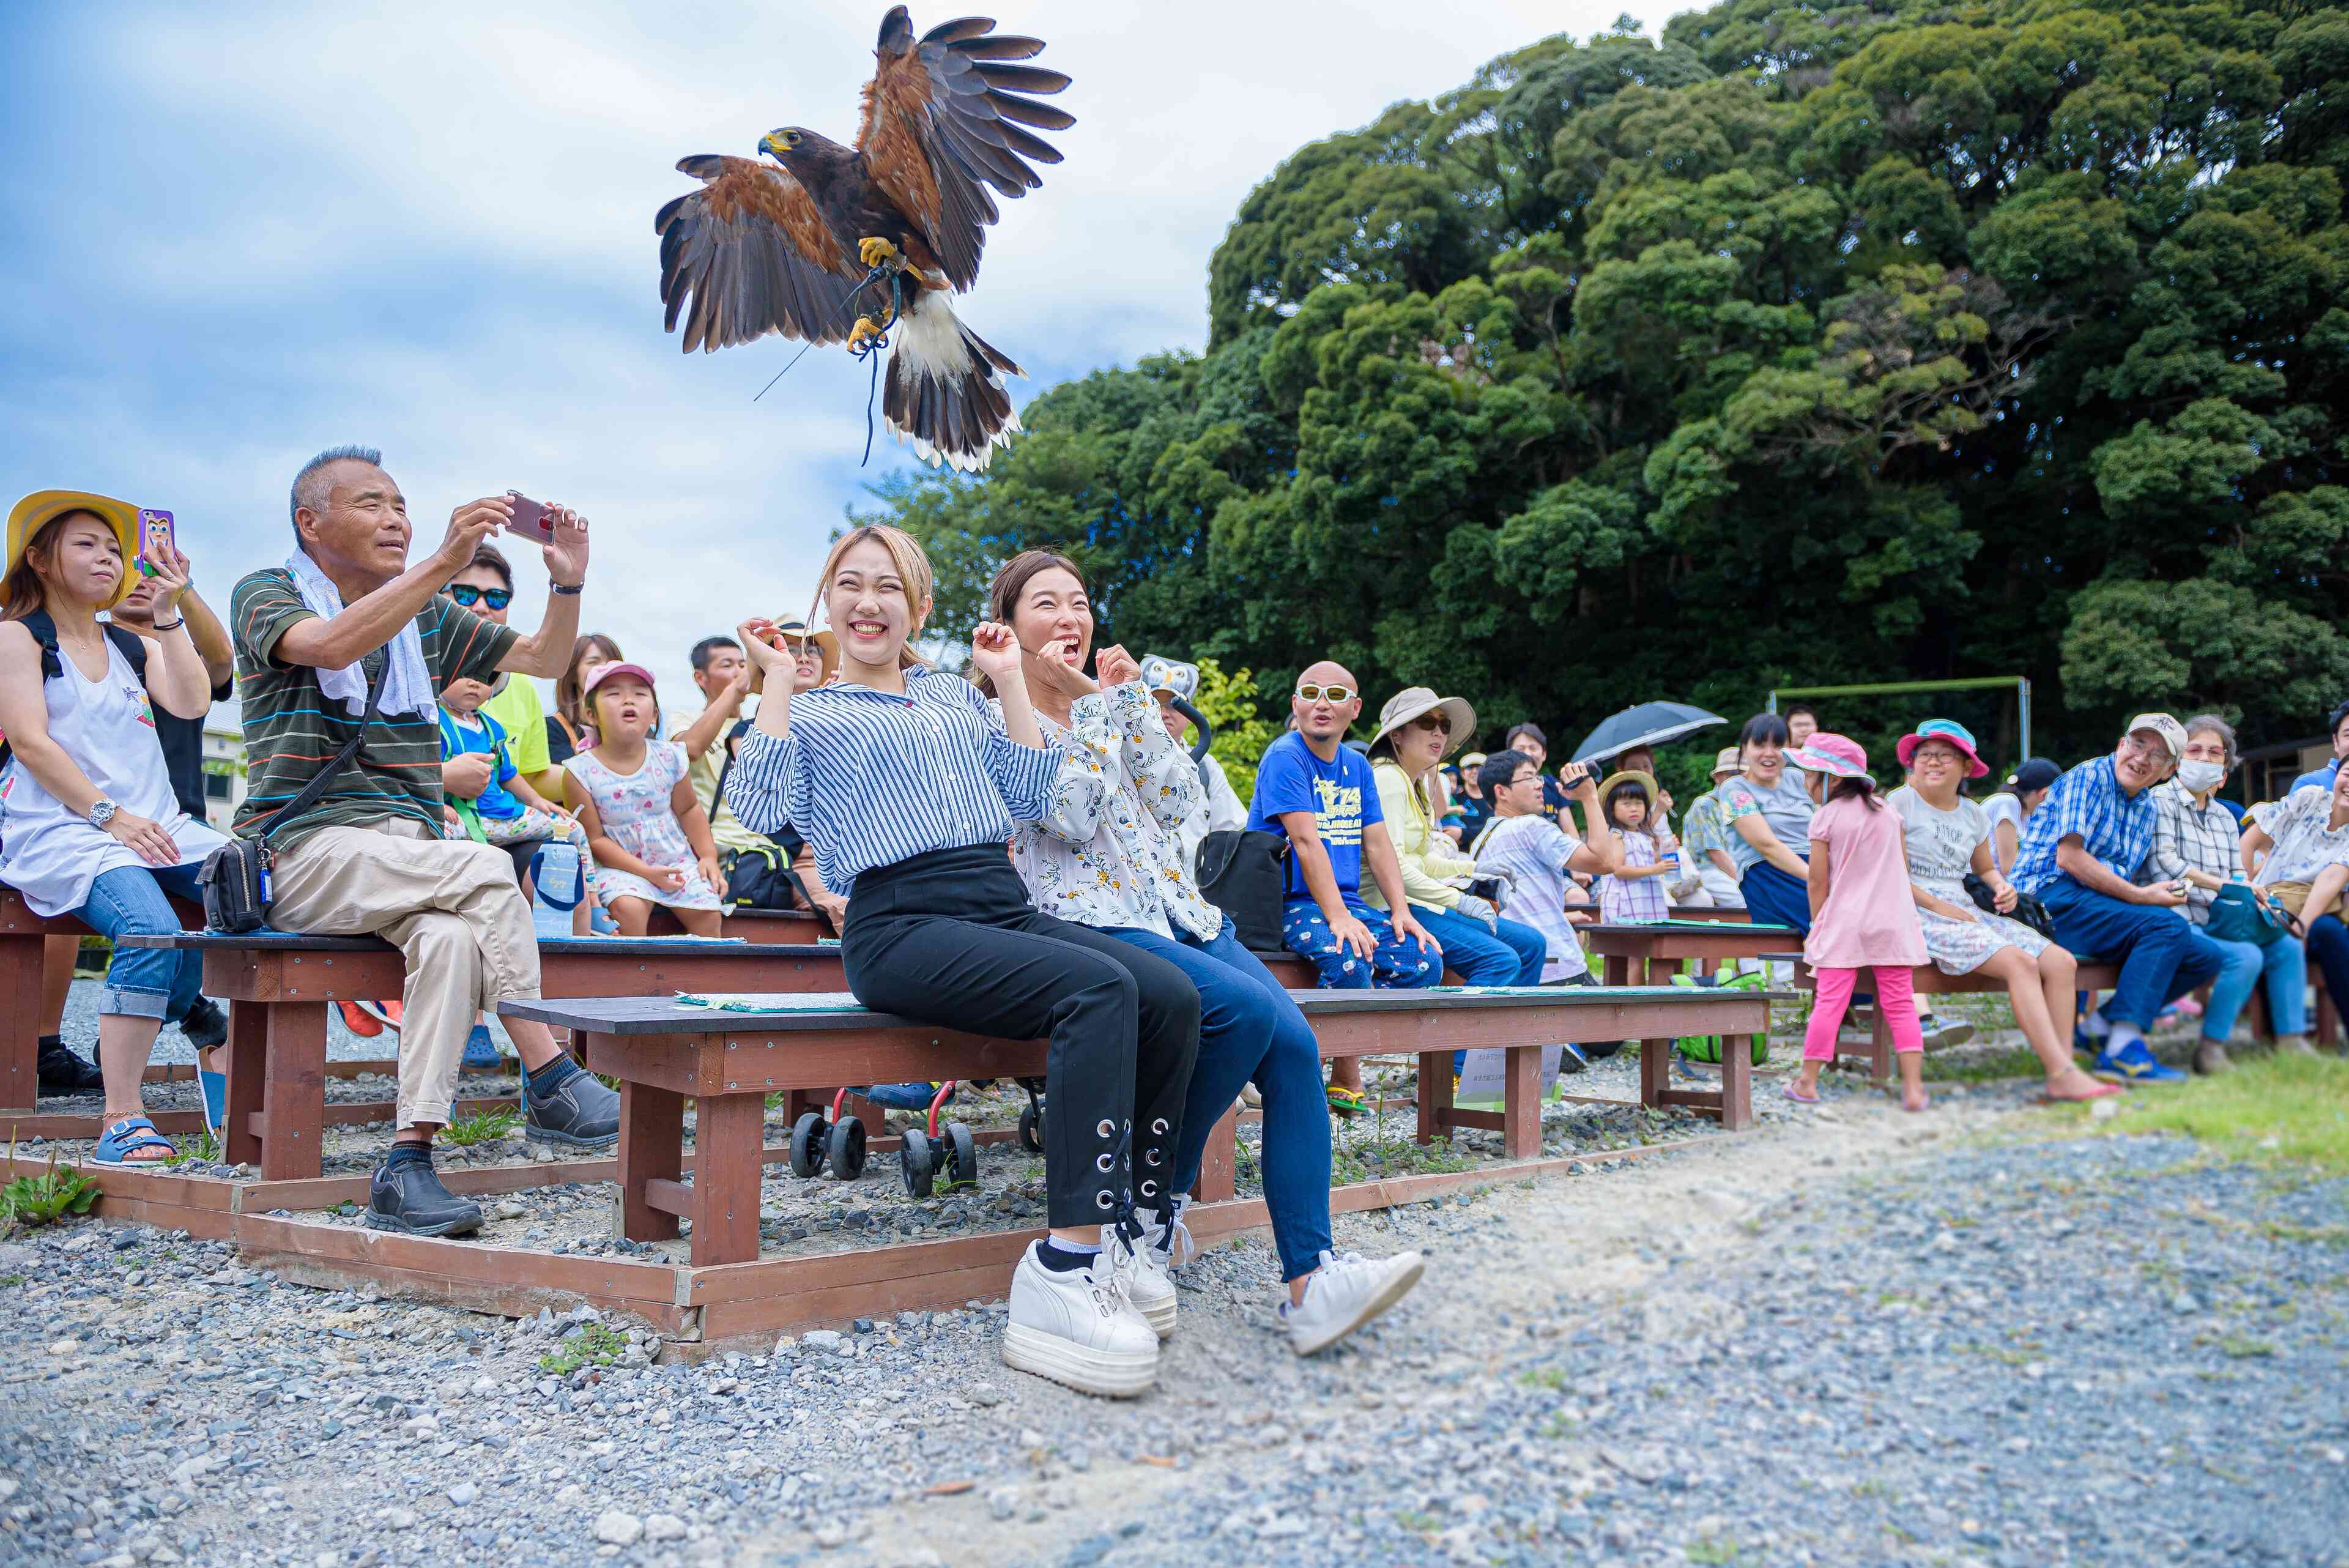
481 1051
214 1086
2133 1064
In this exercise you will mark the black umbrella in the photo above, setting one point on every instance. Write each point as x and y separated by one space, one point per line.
1646 725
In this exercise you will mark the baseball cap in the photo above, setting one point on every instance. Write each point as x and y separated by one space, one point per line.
2172 733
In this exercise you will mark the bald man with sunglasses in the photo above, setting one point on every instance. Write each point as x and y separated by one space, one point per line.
1314 791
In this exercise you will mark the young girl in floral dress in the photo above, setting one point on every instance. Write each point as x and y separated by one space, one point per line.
650 836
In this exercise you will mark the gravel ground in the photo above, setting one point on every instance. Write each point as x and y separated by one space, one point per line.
1858 1337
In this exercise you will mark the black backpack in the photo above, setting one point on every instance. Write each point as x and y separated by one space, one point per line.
759 878
1244 873
45 632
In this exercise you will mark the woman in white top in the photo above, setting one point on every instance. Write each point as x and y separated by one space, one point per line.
90 826
2008 810
1108 852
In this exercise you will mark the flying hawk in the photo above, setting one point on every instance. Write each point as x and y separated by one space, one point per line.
780 247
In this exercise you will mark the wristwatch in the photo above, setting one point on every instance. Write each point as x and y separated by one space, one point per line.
101 813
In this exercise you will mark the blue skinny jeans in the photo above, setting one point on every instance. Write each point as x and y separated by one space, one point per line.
144 982
2282 965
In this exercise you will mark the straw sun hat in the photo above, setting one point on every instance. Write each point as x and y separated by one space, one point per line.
1412 701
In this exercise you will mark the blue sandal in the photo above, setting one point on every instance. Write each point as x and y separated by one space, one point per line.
214 1086
127 1137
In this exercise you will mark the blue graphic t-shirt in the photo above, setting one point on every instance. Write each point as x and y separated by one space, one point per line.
1341 795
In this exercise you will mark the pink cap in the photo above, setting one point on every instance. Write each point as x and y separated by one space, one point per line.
1838 756
612 672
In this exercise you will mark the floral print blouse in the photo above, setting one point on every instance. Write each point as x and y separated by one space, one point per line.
1108 850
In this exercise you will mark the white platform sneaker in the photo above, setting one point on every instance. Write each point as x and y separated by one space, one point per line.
1345 1292
1144 1272
1080 1327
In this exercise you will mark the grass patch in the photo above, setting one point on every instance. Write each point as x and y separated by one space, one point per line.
487 1127
1712 1553
1372 1160
593 1345
31 1200
1967 1065
2270 1109
2236 1347
204 1145
1544 1377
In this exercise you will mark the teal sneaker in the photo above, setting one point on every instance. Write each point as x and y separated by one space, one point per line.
2133 1064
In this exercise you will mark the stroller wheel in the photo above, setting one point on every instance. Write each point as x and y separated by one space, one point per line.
918 1162
845 1149
809 1135
1031 1131
961 1157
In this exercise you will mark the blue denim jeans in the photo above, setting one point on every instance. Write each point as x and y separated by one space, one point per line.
1511 956
144 982
2283 964
1250 1031
2161 957
1394 962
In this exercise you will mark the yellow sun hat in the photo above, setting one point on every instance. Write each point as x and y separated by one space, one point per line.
36 510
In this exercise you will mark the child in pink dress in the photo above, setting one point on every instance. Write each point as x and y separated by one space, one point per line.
1863 916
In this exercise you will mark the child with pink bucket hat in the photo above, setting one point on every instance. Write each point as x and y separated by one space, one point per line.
1863 916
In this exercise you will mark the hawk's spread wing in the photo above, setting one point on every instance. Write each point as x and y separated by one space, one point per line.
938 130
755 253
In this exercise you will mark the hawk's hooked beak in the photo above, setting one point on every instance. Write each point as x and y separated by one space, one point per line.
769 145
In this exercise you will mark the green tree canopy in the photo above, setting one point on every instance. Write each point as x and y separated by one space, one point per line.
1808 345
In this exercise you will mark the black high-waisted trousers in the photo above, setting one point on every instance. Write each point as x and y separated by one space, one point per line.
948 936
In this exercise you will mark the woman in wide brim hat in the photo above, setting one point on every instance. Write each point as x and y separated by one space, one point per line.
35 513
793 636
1417 729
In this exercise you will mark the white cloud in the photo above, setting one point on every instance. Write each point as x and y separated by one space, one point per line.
237 236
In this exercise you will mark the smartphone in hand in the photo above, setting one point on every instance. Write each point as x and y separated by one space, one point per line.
532 519
156 536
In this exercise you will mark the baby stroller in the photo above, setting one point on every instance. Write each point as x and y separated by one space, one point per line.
925 1153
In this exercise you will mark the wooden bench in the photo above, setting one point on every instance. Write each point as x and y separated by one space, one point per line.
729 1062
1650 954
24 940
1928 981
279 986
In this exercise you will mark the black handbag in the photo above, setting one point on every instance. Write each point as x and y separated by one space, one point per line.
1244 873
759 878
235 876
2027 910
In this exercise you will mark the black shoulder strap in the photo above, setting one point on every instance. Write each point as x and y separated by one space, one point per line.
294 808
45 632
133 646
740 728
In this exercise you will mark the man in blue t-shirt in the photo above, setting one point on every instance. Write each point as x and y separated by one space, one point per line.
2322 778
1318 794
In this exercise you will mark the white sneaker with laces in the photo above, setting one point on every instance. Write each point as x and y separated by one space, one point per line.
1345 1292
1166 1235
1145 1282
1080 1327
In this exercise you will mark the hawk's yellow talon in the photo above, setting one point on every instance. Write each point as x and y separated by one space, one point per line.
872 252
865 327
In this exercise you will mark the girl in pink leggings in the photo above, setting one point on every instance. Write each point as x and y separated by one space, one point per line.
1863 916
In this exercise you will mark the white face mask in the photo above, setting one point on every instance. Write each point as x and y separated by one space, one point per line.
2198 776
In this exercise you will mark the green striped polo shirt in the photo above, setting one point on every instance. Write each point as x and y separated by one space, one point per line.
291 729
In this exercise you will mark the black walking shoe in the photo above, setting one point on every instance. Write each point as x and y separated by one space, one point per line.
63 1073
578 1112
205 1025
408 1197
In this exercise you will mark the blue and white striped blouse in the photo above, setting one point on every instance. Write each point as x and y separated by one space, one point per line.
870 778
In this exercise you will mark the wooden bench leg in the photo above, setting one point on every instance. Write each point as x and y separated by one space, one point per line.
1435 1095
652 1149
726 1170
293 1093
248 1070
2328 1016
1521 1130
1219 1167
1879 1045
1615 969
1737 1083
1655 1071
21 960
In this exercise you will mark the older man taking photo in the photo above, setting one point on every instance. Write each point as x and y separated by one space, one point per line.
347 613
2079 852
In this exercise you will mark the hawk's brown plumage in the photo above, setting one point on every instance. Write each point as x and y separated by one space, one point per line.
766 248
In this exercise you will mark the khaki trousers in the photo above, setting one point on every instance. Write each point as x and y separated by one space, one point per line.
452 907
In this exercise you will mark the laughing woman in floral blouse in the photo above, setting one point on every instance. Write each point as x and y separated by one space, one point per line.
1107 853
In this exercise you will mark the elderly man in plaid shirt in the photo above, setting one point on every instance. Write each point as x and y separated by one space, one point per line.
2079 852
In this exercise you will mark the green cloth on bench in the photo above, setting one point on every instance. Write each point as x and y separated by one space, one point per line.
842 1002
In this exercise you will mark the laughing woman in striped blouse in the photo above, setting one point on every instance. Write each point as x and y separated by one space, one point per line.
908 788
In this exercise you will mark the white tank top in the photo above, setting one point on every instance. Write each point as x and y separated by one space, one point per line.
51 855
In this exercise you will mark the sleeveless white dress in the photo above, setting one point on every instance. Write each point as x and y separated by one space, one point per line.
51 855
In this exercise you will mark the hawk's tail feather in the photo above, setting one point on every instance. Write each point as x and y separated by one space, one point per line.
946 391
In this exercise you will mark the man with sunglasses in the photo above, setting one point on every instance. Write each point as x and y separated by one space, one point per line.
1525 845
1319 795
2079 853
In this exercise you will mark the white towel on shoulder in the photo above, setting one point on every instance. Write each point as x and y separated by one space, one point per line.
408 689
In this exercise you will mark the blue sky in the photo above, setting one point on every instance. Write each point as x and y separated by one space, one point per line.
237 234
